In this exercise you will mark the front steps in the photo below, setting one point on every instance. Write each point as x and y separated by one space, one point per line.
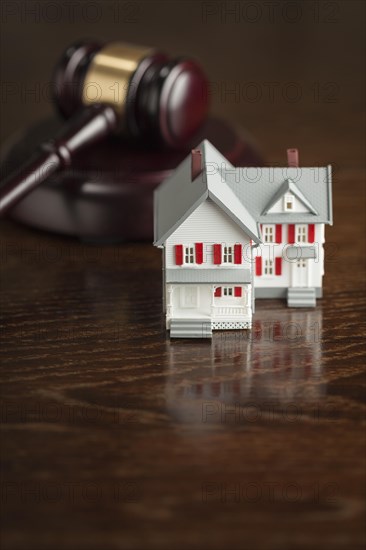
301 297
190 328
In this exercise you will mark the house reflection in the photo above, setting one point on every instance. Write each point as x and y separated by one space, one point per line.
276 366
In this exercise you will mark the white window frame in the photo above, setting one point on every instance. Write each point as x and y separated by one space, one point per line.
268 231
227 291
268 267
288 202
228 254
301 233
189 253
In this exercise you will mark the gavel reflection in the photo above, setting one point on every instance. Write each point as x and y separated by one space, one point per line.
116 89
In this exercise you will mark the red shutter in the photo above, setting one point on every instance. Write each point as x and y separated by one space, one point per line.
179 254
278 233
199 253
258 265
237 253
217 253
311 232
278 266
237 291
291 233
218 292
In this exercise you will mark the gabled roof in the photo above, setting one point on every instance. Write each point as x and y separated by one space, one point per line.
177 197
245 194
258 188
289 186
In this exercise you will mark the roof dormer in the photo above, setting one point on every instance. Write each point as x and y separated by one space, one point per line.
289 199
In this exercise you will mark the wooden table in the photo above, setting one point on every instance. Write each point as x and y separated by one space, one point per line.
115 437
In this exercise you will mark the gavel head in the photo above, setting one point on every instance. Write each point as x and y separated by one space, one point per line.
156 98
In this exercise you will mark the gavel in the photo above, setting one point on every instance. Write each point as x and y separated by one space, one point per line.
114 89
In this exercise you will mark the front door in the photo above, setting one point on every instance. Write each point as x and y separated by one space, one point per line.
300 273
189 296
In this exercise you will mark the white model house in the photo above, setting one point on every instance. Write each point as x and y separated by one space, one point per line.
225 230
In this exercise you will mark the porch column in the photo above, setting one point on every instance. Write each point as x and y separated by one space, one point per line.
169 304
213 300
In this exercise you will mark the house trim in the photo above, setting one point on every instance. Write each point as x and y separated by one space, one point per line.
300 253
214 276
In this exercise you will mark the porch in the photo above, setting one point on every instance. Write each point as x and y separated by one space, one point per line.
202 302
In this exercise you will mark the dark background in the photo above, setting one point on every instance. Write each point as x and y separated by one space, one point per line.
107 441
294 66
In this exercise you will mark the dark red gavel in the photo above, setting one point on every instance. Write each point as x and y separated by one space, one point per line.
114 89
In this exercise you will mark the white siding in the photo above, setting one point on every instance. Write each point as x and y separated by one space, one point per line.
271 251
208 224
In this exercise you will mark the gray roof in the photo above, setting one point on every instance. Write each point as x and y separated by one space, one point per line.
245 194
177 197
261 187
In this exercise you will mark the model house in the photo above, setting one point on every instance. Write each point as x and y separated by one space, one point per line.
231 234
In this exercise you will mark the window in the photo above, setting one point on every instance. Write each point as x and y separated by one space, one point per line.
236 292
268 233
288 202
228 257
189 254
301 233
228 291
268 267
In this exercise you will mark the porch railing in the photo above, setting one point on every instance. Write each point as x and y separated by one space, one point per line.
222 311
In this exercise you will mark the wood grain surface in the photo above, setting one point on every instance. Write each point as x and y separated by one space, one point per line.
114 437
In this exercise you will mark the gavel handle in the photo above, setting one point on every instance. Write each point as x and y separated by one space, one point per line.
91 125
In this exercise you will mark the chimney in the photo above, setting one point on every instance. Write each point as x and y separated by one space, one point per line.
196 163
293 158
